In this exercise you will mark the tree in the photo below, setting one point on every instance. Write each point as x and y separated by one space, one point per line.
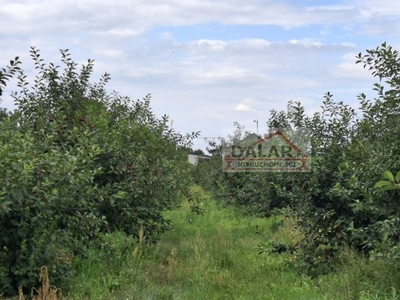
336 204
77 161
198 152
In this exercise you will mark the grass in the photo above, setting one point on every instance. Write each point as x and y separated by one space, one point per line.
216 256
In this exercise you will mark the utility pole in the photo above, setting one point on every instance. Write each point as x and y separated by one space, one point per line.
256 121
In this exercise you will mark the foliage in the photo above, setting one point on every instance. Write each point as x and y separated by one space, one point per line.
7 73
390 183
77 161
197 152
336 204
256 193
213 256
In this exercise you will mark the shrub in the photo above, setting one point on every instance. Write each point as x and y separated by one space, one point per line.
336 204
77 161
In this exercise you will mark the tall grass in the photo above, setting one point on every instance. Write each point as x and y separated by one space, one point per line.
216 256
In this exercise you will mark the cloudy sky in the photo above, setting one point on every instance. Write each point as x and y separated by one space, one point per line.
208 63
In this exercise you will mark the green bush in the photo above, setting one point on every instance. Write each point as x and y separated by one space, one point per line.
77 161
336 204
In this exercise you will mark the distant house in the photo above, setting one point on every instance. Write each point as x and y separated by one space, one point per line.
194 158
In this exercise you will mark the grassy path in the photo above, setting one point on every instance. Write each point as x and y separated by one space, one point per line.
214 256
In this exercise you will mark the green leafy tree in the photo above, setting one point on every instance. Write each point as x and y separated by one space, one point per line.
336 204
76 161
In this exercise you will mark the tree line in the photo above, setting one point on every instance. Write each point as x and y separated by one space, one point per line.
350 199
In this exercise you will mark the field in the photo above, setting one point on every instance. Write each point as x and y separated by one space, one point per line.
216 256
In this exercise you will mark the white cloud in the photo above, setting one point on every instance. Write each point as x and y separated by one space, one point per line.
124 32
382 7
305 42
109 53
330 8
242 107
211 44
347 68
348 44
247 105
214 74
130 18
201 80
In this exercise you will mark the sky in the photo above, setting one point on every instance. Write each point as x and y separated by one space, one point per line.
208 64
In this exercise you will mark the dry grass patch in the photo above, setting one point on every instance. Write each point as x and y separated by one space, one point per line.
45 292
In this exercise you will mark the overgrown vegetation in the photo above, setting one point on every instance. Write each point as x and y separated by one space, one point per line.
215 256
89 179
336 205
45 292
77 162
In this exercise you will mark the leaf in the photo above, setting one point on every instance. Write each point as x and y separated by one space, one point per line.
5 206
388 175
391 187
398 177
382 183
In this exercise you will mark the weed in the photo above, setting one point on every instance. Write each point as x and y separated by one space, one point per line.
45 292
